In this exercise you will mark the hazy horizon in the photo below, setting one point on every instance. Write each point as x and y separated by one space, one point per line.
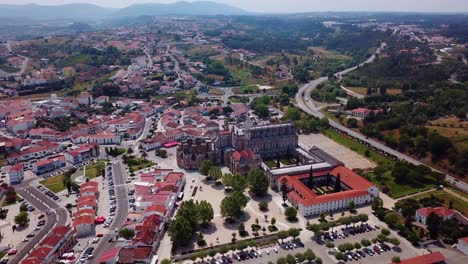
292 6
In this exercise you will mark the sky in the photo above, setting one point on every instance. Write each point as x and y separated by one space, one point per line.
294 6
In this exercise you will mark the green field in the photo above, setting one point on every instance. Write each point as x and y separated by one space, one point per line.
55 184
136 164
357 147
395 190
76 59
94 170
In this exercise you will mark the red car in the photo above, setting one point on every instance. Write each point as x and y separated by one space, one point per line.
12 252
99 235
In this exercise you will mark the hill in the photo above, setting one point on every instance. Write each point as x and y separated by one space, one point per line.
84 12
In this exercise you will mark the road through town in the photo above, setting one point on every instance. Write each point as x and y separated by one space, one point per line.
305 102
119 175
57 216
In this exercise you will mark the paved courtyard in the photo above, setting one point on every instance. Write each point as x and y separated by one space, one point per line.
350 158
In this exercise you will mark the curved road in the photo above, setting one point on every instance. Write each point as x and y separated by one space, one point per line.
305 102
58 216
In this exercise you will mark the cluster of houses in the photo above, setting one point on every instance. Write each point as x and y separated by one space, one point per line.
86 208
155 197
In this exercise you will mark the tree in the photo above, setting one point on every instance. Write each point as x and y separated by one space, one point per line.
394 241
396 259
130 151
232 206
365 242
205 167
281 260
241 229
166 261
258 182
23 208
330 245
338 183
282 235
357 245
11 194
126 233
205 212
309 255
352 122
215 173
273 221
310 181
391 219
318 260
363 217
322 216
352 206
292 114
433 223
339 256
180 232
284 190
291 213
294 232
290 259
263 206
236 181
22 219
377 204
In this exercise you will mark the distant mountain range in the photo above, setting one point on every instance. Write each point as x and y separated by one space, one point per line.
83 12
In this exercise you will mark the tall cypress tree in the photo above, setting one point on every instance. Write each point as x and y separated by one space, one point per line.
338 183
311 181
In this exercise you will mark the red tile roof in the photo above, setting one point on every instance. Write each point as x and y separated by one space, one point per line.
303 195
464 239
440 211
17 167
109 255
243 154
84 219
432 258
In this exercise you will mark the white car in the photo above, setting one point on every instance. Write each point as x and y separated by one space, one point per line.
276 250
267 252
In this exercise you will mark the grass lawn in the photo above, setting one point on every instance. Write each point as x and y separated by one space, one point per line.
458 204
396 190
75 59
94 170
329 54
458 192
271 163
357 147
55 184
136 164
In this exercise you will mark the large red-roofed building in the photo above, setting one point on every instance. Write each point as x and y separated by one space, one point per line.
443 212
433 258
354 188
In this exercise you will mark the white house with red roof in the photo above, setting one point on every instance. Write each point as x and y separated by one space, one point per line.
48 165
39 150
84 225
463 245
422 213
354 188
82 153
16 173
60 240
105 139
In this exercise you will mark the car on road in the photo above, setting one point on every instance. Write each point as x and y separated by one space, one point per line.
40 216
99 235
12 252
30 235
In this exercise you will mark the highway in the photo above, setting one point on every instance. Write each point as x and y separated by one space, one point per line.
305 102
121 213
57 216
